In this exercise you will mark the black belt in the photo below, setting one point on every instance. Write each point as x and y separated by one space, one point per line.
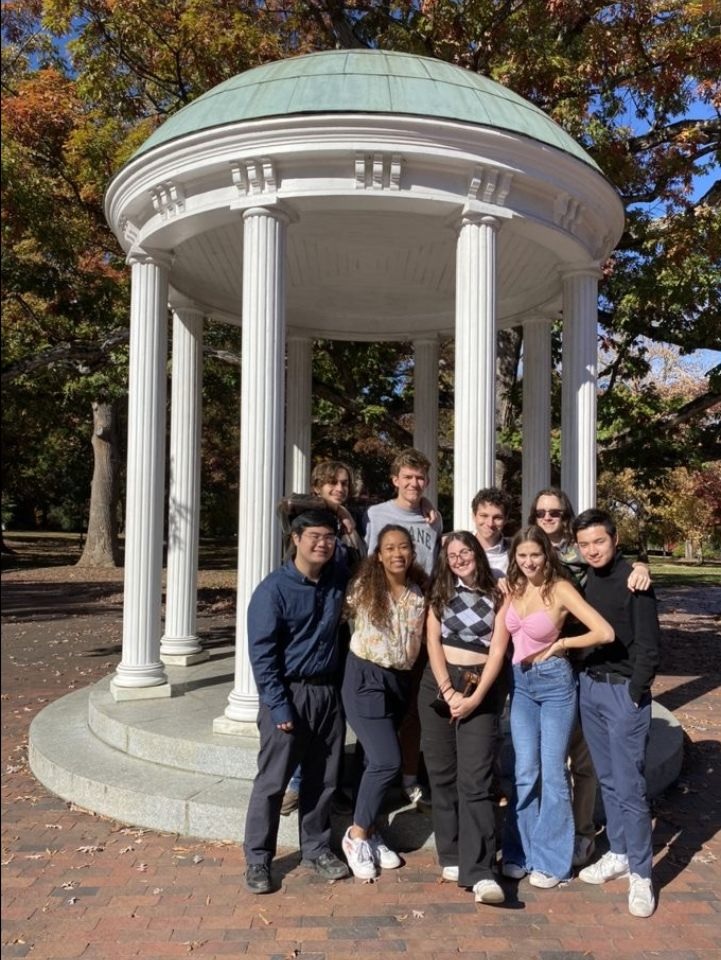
321 680
601 677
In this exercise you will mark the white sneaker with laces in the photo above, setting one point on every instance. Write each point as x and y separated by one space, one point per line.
359 856
382 855
583 850
450 873
611 866
543 880
514 871
641 901
488 891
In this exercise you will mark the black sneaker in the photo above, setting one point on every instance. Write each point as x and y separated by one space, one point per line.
257 878
328 866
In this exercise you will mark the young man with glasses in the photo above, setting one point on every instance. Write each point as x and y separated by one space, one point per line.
293 618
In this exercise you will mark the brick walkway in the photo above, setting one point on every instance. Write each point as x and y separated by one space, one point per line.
77 885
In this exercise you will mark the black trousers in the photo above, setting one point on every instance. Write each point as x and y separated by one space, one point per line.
459 760
375 699
315 743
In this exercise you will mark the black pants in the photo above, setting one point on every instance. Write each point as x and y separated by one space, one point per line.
315 743
459 760
375 700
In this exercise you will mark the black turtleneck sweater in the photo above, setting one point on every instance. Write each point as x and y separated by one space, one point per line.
634 652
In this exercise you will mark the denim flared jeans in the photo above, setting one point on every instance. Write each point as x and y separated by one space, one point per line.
543 715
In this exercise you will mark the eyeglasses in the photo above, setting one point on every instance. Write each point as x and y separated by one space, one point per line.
461 555
540 514
320 537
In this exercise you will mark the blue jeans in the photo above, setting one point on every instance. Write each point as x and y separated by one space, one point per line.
543 714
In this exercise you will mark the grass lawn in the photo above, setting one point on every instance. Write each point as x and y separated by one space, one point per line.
677 573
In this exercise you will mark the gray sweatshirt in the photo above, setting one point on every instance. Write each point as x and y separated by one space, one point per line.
426 537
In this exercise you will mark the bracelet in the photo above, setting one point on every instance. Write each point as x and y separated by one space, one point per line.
445 687
563 643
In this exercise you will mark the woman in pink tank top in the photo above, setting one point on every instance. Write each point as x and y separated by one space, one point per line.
544 703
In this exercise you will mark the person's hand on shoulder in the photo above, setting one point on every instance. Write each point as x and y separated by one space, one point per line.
639 578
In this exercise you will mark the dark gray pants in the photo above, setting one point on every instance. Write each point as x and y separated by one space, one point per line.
316 744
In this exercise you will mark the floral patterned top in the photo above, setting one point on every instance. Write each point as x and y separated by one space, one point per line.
395 647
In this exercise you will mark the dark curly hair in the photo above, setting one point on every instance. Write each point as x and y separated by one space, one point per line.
369 587
444 585
552 571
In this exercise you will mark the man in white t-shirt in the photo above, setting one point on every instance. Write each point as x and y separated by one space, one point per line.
490 508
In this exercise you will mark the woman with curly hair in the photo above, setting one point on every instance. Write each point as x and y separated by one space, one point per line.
387 605
544 705
459 703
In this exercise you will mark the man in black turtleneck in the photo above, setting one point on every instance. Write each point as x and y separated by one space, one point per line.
615 708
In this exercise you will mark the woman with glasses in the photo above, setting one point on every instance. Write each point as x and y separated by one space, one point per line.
386 601
544 703
552 511
459 704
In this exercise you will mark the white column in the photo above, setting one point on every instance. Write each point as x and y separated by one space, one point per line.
140 672
180 645
536 466
261 437
425 407
475 385
299 377
578 408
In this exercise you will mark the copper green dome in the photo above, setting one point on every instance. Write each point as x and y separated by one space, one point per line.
365 81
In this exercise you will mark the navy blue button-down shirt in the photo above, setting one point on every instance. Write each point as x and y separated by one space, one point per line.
293 630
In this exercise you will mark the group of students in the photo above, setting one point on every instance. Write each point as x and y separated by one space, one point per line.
443 628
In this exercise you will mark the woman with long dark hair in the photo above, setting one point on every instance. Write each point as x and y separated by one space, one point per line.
386 601
544 704
459 704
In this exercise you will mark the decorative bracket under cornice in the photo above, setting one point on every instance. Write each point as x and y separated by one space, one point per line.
490 185
254 176
168 199
378 171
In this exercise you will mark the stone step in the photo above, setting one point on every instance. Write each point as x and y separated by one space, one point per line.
157 763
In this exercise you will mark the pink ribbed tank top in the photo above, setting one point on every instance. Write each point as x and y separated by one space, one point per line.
531 634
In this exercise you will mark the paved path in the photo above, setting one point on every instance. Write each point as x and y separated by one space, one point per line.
77 885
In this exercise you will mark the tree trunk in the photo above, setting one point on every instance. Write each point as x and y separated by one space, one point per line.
509 353
101 542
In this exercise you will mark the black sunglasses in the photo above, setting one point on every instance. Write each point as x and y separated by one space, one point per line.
549 513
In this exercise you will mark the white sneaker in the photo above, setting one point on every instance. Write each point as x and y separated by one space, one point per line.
641 901
583 850
611 866
488 891
359 856
514 871
543 880
382 855
450 874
